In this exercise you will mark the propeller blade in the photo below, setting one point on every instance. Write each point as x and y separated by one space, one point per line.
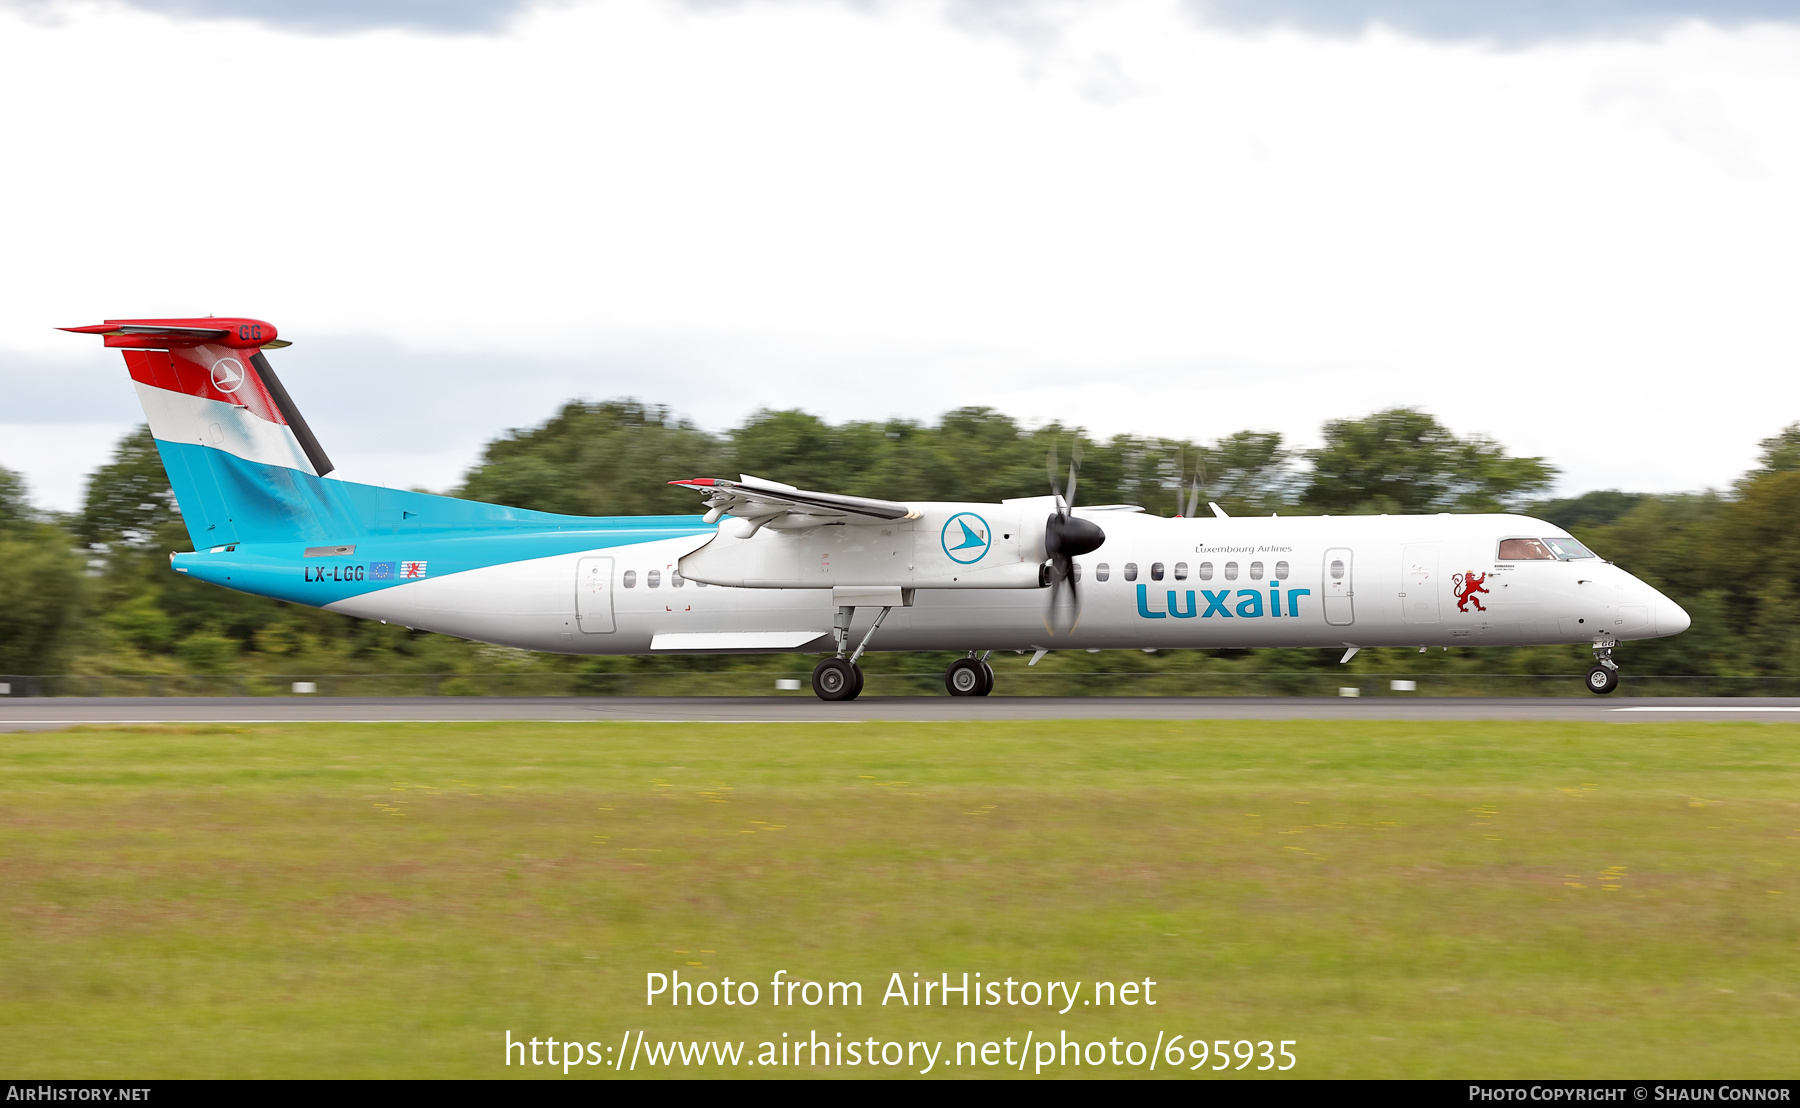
1067 537
1065 601
1074 466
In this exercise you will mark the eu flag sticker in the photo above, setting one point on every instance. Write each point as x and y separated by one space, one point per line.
381 571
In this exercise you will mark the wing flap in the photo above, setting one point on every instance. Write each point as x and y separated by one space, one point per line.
717 641
771 502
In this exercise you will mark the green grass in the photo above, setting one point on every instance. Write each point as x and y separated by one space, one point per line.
1403 899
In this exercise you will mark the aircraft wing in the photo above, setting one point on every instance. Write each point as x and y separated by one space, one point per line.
765 503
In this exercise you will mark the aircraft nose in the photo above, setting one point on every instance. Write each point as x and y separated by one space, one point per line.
1671 618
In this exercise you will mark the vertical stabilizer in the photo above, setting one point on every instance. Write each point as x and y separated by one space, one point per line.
243 464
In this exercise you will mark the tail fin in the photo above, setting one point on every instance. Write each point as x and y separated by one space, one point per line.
241 460
244 466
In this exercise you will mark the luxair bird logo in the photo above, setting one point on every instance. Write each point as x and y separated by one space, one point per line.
227 375
1467 585
966 537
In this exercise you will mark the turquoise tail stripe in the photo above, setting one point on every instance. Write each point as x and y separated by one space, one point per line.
282 570
225 499
269 515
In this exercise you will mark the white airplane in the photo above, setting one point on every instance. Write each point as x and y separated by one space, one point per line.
771 568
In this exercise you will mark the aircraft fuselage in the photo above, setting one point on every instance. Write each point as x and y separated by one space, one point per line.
1298 581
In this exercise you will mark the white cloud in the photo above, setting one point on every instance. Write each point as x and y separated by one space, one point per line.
56 458
1136 223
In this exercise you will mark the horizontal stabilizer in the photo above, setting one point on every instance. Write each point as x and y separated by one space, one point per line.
170 334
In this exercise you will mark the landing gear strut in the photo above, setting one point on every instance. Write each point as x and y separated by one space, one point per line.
840 678
970 676
1604 676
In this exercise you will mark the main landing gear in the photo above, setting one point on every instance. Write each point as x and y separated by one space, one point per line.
837 679
840 678
1604 676
970 676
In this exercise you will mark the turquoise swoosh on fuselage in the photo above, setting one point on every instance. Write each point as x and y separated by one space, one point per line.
226 499
253 524
282 571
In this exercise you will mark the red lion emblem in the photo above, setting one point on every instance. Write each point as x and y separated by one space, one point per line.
1467 585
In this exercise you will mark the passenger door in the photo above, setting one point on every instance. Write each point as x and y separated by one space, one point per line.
1339 602
1419 586
593 595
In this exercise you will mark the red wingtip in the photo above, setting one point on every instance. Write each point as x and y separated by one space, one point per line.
91 329
695 481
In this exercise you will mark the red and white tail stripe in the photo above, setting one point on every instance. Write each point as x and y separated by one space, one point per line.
205 381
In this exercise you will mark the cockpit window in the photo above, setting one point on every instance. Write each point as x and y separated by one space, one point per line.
1524 550
1559 548
1568 549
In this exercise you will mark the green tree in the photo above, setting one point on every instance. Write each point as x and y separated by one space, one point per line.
42 587
1249 473
610 458
1781 452
16 514
128 499
208 652
1404 461
1590 509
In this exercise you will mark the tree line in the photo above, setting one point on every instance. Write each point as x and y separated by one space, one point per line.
90 591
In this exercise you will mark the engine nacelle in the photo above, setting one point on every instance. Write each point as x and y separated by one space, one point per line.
946 546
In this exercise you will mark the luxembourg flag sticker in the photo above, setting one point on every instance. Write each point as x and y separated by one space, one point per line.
411 571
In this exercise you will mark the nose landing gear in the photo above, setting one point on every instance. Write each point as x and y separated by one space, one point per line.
1603 677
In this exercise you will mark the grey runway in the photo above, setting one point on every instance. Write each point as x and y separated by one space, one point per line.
50 713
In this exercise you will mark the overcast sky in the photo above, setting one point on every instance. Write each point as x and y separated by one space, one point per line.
1571 226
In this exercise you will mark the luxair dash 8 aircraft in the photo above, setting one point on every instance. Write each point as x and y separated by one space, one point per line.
772 568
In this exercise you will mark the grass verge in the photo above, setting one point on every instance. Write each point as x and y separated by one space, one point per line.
1403 899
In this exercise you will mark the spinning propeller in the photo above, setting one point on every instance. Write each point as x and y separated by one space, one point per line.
1066 538
1187 501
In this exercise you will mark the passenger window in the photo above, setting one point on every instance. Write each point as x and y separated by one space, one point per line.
1156 571
1206 571
1102 571
699 584
1131 571
1231 571
653 578
1181 571
1281 571
1524 550
631 578
675 579
1256 571
1075 571
1337 569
